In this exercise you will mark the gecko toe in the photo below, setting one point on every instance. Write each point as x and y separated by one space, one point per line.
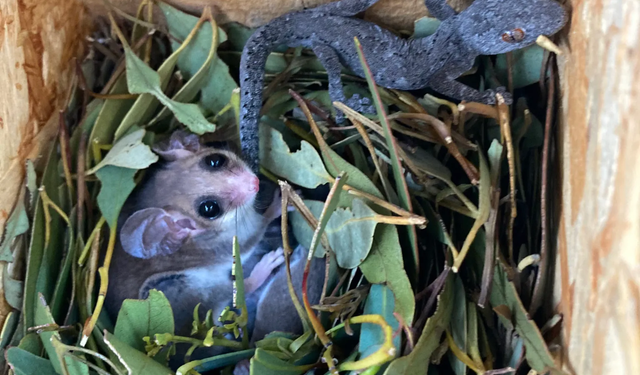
361 104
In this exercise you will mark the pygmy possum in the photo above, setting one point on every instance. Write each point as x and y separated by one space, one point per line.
175 235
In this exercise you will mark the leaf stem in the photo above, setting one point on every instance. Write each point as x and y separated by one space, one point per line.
285 192
65 152
462 356
384 354
372 151
384 204
92 236
538 290
479 109
483 212
104 284
503 111
329 206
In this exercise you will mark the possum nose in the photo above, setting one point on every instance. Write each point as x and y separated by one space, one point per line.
254 184
242 187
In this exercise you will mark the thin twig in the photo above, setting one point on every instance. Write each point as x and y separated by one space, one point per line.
503 111
65 152
538 289
510 72
372 151
121 64
435 288
479 109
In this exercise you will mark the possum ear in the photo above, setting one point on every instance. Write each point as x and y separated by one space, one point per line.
180 145
155 232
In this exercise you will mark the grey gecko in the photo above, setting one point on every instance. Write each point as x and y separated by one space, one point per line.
487 27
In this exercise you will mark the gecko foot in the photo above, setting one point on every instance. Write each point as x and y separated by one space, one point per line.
263 269
489 96
361 104
358 104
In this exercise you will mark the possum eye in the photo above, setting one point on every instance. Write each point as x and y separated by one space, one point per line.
214 161
513 36
209 209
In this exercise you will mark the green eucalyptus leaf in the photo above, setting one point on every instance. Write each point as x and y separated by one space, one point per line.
303 167
13 289
141 79
264 363
92 111
534 137
129 152
417 362
190 89
51 338
429 164
380 301
384 265
17 224
402 190
117 184
350 231
140 318
218 84
447 192
59 302
504 292
335 164
526 66
25 363
43 260
458 326
17 334
223 360
9 328
146 104
238 35
137 362
111 114
494 155
31 343
425 26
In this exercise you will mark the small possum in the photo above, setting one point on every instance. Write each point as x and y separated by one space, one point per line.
175 235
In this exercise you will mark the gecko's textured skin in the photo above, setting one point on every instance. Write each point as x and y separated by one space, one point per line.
487 27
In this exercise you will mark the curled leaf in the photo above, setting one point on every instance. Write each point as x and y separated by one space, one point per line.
117 184
128 152
303 167
141 79
350 231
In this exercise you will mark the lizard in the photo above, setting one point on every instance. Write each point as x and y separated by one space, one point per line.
486 27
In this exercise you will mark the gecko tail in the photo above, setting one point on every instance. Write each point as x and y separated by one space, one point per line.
252 64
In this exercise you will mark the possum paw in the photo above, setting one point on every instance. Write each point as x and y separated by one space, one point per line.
263 269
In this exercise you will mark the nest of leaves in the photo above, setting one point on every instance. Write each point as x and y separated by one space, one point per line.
433 212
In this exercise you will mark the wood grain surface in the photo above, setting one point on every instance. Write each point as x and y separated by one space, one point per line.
598 266
397 14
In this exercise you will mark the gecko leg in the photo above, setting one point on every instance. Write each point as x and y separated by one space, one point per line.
458 90
329 59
